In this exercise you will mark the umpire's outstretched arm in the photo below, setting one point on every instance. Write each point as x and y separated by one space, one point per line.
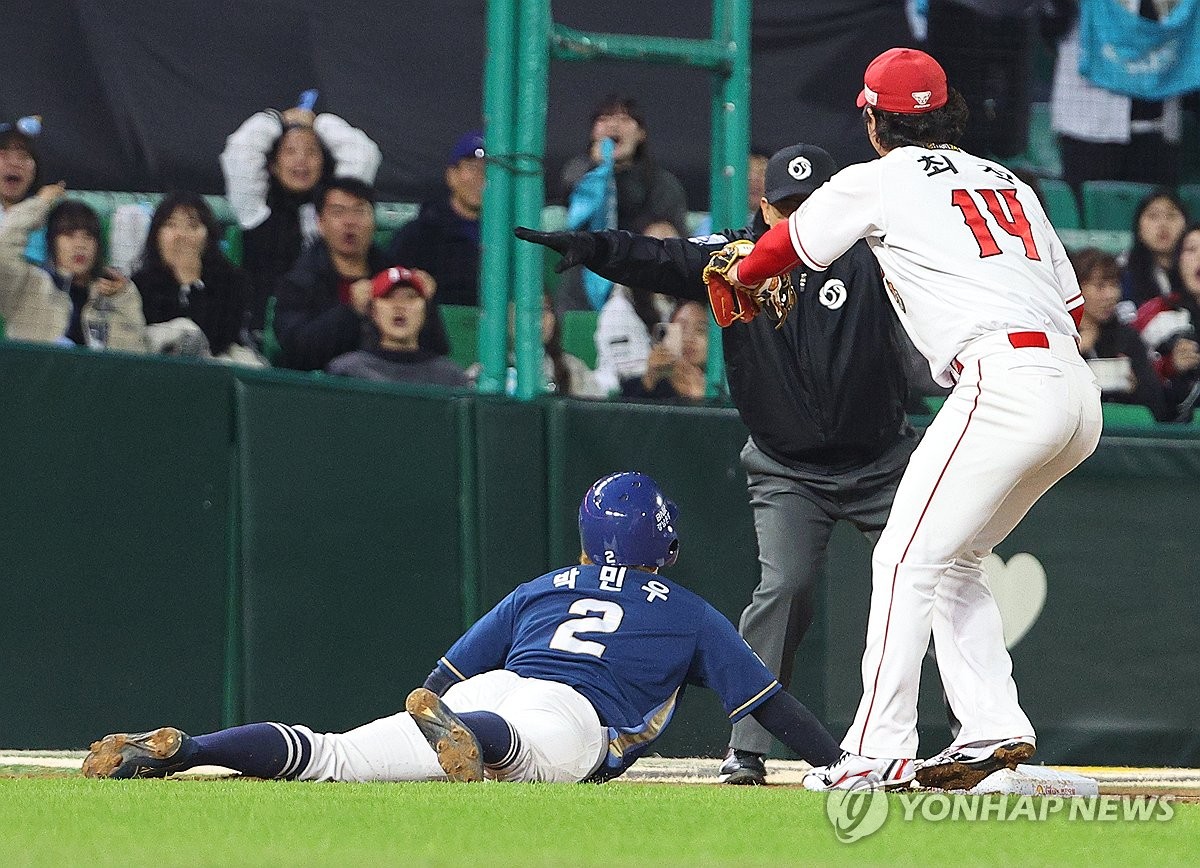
672 266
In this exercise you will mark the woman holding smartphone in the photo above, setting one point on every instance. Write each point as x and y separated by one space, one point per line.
675 369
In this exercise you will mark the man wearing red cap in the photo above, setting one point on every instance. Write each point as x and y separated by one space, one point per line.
984 288
396 310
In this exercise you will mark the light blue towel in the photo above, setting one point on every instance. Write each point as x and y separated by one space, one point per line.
593 206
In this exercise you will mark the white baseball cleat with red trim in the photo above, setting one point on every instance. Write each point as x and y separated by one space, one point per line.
851 772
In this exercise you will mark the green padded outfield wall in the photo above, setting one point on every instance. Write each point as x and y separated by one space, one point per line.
510 464
114 539
351 546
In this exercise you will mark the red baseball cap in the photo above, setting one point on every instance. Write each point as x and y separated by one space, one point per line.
385 281
905 81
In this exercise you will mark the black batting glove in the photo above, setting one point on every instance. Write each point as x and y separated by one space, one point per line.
575 247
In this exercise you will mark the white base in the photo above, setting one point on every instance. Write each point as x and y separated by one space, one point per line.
1037 781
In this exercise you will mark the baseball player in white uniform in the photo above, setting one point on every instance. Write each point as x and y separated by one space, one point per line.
983 287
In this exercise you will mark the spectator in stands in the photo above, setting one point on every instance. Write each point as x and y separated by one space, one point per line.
1103 336
322 301
1168 324
106 306
1105 135
444 238
625 323
272 165
678 359
396 308
18 167
97 305
1158 224
31 304
646 192
20 176
194 298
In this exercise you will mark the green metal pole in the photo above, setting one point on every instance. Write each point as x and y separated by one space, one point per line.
496 220
569 44
532 89
730 144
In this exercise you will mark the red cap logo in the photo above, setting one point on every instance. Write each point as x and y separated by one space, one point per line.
905 81
385 281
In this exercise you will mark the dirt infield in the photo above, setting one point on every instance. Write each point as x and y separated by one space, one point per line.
1114 780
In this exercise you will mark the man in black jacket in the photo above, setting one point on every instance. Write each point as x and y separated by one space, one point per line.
823 397
322 302
444 238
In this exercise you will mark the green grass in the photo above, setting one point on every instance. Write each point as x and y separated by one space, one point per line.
53 821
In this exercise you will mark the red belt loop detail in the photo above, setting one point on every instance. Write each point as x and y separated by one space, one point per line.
1020 340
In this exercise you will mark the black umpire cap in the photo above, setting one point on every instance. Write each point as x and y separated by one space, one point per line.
797 170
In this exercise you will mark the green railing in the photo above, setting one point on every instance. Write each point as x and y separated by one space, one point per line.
521 41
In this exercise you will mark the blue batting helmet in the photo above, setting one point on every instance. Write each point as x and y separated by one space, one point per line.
624 520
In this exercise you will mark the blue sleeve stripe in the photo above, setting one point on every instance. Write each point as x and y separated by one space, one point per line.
450 666
755 699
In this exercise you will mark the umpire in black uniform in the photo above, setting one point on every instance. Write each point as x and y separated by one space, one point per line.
823 397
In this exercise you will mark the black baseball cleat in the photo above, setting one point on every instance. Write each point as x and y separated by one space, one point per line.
457 748
153 754
744 768
961 767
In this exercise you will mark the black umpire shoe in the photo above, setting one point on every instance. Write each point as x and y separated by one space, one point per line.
744 768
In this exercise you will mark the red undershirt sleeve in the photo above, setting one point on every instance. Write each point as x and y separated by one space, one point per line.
773 255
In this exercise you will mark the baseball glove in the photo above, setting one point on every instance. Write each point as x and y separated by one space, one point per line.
732 301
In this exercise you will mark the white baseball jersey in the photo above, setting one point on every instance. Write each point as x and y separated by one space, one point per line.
965 247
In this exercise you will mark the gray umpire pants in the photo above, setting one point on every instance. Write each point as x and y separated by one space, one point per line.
794 514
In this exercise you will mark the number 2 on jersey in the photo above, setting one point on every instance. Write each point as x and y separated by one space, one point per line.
1017 225
609 620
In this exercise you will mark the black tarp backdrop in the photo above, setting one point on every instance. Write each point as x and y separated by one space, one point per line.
140 94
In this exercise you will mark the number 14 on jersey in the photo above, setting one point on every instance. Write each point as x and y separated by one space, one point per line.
1006 212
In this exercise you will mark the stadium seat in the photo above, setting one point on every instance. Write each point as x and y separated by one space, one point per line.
389 217
1127 415
1190 194
1061 207
1109 240
554 218
462 328
231 243
270 345
222 210
579 334
1041 155
1110 204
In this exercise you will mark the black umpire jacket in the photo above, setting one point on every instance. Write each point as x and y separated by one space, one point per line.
830 386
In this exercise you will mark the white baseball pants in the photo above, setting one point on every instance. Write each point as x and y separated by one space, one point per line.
561 736
1019 419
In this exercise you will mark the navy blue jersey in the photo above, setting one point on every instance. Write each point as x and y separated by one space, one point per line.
626 639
